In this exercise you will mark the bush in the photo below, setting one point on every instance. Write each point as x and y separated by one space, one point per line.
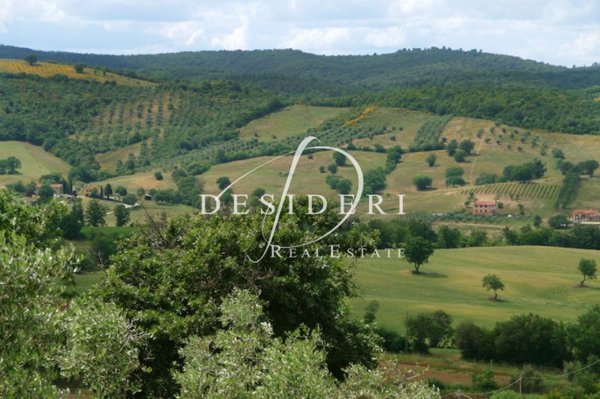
422 182
484 379
486 178
391 340
158 175
129 199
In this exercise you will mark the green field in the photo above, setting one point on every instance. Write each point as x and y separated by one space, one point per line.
538 279
290 121
272 177
35 162
452 282
405 122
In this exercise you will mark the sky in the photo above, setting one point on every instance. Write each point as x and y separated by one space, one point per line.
562 32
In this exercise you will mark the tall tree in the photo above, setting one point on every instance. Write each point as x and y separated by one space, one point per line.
108 191
12 164
121 215
417 251
493 282
95 213
587 268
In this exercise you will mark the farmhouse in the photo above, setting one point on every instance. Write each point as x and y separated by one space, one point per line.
485 208
88 189
585 216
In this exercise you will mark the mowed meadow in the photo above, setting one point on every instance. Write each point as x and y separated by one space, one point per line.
541 280
35 162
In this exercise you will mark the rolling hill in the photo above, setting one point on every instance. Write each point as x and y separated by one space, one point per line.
36 162
47 69
452 282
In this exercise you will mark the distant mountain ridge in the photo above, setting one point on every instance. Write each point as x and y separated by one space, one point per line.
296 72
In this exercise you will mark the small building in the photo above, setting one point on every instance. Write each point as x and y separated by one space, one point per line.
485 208
89 188
148 197
585 216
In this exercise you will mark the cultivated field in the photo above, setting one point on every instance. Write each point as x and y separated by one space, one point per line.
47 69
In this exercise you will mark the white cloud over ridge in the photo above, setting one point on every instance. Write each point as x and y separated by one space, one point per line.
562 32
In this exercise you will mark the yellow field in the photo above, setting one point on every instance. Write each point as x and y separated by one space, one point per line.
46 69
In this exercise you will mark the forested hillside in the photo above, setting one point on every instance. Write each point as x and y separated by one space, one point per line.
78 119
468 83
300 72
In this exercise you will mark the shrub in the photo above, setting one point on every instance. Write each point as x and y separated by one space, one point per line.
422 182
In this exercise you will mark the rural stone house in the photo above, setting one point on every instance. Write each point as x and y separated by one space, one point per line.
585 216
485 208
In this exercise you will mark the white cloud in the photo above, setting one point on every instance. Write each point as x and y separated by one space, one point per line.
558 31
318 39
393 37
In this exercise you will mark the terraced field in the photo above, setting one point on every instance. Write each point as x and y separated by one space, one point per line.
519 190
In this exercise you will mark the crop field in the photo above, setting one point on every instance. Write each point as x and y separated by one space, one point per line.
452 282
519 190
47 69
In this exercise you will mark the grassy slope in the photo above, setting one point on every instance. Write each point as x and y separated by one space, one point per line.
46 69
409 121
35 162
108 160
453 283
272 176
503 147
290 121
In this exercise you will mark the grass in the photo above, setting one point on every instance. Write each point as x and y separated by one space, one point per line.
404 123
538 279
272 176
145 180
35 162
290 121
47 69
85 281
108 160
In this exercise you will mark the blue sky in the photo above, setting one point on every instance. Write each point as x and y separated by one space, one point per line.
565 32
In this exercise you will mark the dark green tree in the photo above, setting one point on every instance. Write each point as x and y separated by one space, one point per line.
587 268
184 270
422 182
431 158
417 251
223 182
95 213
12 164
121 215
45 193
31 59
108 191
493 283
339 159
